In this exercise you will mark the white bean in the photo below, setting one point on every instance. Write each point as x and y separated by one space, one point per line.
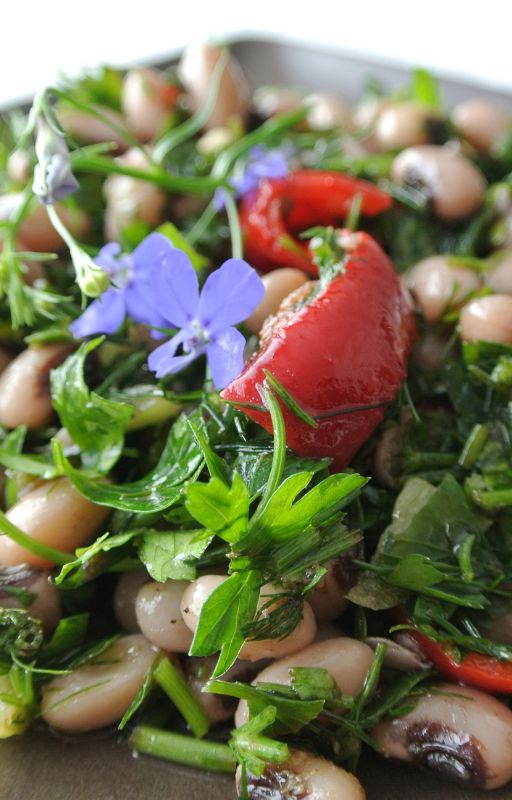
458 732
55 514
487 318
401 125
328 598
499 629
125 594
195 71
500 278
25 386
19 166
481 123
327 112
302 776
268 101
453 184
346 660
147 100
438 286
129 199
198 592
39 235
90 129
278 284
99 693
195 596
302 635
157 609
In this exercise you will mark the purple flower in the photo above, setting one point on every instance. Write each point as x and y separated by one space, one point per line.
53 179
262 163
206 320
131 293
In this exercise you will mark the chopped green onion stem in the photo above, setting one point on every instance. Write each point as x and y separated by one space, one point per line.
178 691
183 749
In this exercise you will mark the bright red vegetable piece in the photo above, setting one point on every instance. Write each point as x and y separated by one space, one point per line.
474 669
280 208
343 350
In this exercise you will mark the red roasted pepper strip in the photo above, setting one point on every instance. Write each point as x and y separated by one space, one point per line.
474 669
279 208
343 350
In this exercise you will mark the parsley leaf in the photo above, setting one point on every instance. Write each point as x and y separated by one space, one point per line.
220 508
94 423
180 461
231 606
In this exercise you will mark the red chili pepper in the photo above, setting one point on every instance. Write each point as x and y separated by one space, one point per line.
474 669
279 208
336 355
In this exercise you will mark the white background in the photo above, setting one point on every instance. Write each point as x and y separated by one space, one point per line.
41 37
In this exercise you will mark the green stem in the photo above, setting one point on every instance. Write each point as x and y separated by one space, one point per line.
270 128
197 121
183 749
473 446
279 454
178 692
237 245
32 545
202 223
61 229
172 183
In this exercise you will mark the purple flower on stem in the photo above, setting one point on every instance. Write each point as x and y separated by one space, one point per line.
262 163
53 179
131 293
205 319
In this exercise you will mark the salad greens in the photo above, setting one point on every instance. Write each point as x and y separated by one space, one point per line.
192 486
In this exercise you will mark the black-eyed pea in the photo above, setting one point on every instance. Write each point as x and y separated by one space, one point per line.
451 182
457 732
302 775
98 693
488 318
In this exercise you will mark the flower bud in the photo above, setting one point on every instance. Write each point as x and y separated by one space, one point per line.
91 278
53 179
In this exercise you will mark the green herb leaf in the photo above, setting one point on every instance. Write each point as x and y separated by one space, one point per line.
94 423
220 508
170 555
231 606
180 461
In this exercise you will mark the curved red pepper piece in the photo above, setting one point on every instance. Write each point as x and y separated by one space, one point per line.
279 208
346 348
474 669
